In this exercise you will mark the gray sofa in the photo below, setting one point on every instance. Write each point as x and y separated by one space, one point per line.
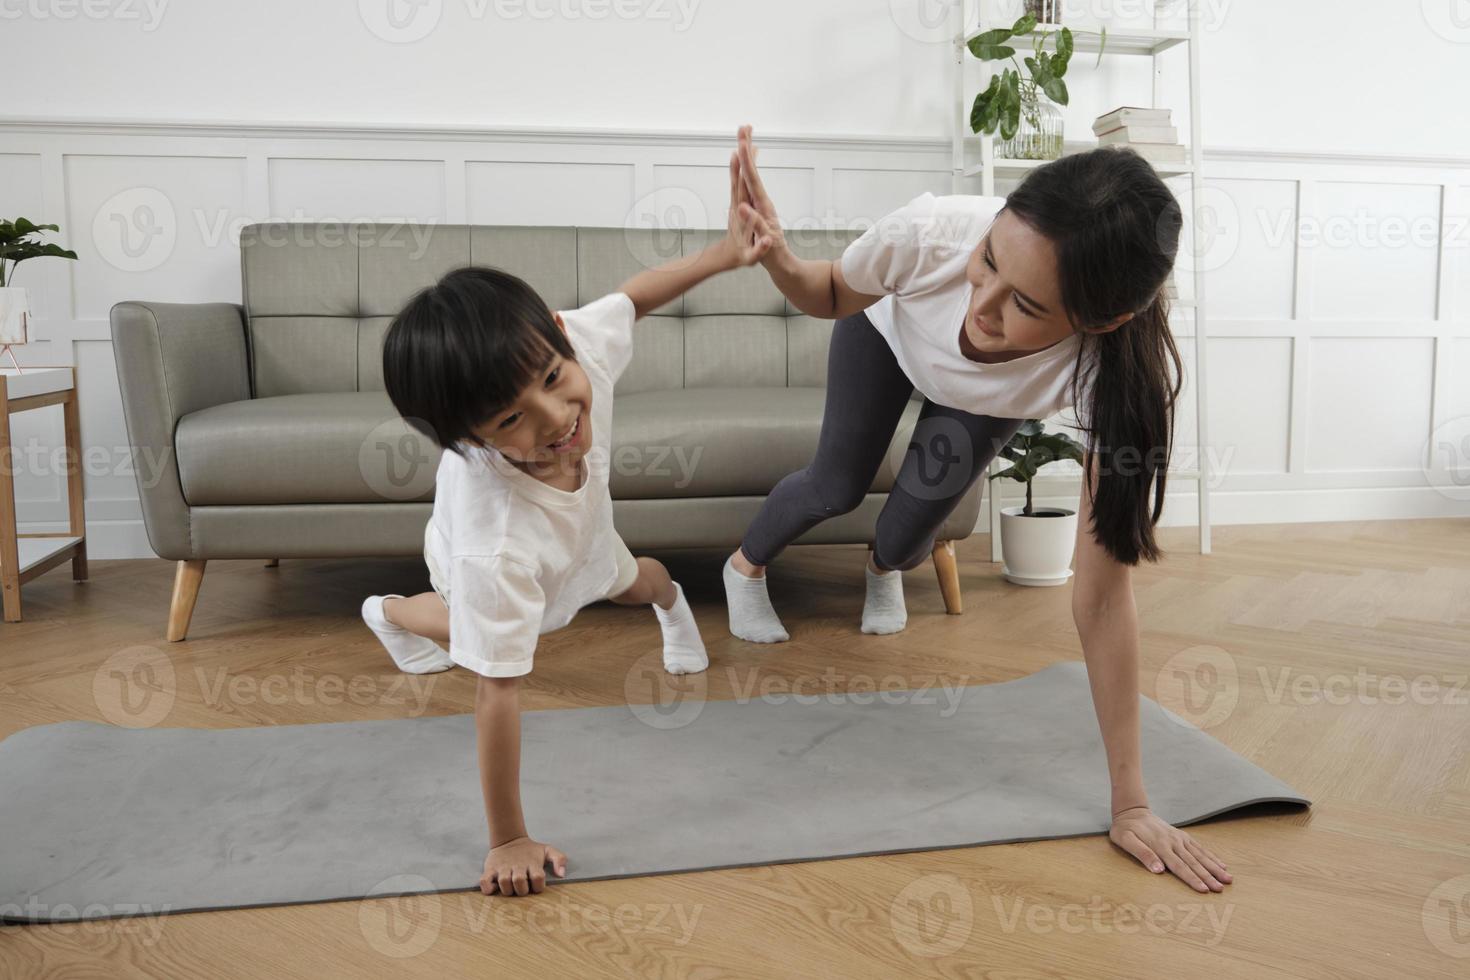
263 431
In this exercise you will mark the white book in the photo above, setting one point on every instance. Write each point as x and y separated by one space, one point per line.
1130 116
1157 152
1140 134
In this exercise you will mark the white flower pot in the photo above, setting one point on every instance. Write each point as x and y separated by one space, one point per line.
14 313
1037 550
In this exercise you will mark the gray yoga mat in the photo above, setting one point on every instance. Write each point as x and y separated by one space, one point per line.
98 821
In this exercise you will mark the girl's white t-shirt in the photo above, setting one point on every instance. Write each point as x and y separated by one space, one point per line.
522 557
916 258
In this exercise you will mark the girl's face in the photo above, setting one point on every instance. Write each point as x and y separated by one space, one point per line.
549 425
1016 308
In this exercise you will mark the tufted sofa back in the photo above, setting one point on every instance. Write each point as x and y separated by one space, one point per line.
319 297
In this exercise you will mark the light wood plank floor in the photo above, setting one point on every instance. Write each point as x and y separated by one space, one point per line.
1333 655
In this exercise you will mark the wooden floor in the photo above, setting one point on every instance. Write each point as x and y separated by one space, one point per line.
1333 655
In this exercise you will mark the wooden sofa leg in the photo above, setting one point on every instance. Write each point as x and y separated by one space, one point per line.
949 577
273 563
186 590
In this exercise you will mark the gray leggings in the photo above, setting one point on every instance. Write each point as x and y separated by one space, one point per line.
866 396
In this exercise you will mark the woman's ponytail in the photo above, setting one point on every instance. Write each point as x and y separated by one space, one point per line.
1115 226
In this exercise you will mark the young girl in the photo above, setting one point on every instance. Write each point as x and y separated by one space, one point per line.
521 534
997 310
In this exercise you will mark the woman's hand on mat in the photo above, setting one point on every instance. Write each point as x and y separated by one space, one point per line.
748 195
518 867
1158 844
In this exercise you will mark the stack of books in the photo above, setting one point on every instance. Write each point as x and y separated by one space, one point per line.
1149 131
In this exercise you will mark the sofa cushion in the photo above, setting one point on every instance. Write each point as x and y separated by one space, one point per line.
352 447
331 447
724 442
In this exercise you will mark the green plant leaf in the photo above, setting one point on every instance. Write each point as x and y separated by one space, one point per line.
993 52
981 108
982 44
1025 25
1056 90
1012 121
1064 44
24 227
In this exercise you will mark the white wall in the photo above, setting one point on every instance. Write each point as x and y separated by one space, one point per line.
1346 76
1335 354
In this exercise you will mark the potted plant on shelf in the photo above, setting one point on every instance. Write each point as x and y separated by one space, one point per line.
1036 542
1021 105
16 245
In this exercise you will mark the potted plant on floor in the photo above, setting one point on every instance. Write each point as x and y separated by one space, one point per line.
1036 542
15 247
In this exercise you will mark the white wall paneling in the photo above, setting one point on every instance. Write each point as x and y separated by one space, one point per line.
1332 356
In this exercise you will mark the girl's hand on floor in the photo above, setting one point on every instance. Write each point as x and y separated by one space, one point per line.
518 867
1158 844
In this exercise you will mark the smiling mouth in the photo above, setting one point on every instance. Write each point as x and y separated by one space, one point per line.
569 436
984 328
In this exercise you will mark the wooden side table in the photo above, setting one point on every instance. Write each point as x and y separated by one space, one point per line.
25 556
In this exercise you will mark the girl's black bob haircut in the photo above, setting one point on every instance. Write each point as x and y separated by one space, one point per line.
463 349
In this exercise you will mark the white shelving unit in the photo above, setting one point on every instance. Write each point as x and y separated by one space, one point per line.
1121 43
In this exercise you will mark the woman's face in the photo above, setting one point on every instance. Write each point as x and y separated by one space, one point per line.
1016 307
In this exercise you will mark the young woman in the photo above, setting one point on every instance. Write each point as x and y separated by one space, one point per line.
997 310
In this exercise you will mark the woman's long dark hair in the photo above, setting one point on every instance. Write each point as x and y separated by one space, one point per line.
1115 226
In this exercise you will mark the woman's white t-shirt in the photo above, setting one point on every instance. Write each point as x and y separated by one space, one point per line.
521 557
916 258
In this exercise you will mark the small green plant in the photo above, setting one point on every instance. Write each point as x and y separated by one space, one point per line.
1010 92
1030 449
16 246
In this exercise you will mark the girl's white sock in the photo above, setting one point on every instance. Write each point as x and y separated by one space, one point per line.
412 653
683 649
883 609
751 615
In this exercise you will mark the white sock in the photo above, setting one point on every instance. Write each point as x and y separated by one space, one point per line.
883 609
751 615
683 649
412 653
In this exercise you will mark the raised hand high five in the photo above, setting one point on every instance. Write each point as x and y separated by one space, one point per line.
750 199
746 241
